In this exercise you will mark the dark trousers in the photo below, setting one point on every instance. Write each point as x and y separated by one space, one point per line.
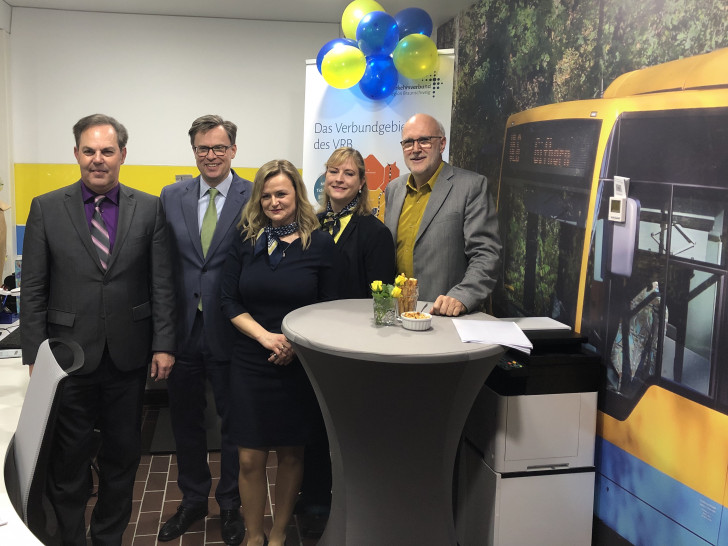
186 387
112 400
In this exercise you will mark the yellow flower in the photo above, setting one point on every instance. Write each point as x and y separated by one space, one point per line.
400 280
396 292
376 286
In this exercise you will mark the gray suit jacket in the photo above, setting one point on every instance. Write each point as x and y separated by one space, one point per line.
66 292
197 274
457 247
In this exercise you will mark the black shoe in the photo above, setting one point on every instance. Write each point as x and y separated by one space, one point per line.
178 524
231 527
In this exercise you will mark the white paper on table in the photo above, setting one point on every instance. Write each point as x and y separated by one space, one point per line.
537 323
497 332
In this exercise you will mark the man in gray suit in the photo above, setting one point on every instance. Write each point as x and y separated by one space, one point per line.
443 222
202 214
97 270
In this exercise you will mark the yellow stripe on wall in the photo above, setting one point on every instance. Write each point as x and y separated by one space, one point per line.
33 179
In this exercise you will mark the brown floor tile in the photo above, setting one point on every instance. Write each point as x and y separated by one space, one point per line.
193 539
128 538
148 523
157 497
142 472
169 509
173 492
173 470
160 463
149 540
157 481
138 491
214 467
87 513
213 532
272 473
152 501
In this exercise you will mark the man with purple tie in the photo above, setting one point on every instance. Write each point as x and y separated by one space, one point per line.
97 270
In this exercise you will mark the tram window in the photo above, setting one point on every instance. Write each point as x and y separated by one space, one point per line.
678 146
700 225
545 186
543 236
687 351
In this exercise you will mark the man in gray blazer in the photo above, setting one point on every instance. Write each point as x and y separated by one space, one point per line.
97 270
202 214
443 222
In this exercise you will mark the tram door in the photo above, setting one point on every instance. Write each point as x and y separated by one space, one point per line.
666 312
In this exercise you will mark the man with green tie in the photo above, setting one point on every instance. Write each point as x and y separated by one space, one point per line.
202 214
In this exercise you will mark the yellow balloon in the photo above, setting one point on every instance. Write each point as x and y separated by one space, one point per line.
353 14
415 56
343 66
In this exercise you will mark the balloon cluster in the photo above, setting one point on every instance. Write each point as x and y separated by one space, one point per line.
377 48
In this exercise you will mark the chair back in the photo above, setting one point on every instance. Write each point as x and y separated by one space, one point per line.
29 451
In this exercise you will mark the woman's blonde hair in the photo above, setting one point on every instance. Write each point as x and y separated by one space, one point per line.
253 218
339 156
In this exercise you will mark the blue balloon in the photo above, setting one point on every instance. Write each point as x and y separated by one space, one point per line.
380 77
377 34
413 21
328 46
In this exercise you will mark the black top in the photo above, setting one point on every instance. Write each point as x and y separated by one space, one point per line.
364 253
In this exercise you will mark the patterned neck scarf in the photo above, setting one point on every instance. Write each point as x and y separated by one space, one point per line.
332 221
272 240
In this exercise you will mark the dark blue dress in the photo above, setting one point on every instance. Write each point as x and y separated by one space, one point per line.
272 405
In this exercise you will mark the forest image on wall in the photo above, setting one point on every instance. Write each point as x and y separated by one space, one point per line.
512 56
515 55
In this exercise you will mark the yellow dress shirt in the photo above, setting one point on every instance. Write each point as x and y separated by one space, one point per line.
343 222
413 208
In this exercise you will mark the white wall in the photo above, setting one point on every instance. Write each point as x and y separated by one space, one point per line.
7 192
156 74
4 15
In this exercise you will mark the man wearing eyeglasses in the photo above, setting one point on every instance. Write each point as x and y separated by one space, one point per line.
443 222
202 214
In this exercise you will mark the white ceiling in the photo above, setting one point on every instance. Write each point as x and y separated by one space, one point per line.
321 11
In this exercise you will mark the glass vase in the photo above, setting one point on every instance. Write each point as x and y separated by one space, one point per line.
384 311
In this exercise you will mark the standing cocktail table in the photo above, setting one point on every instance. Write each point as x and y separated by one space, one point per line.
394 402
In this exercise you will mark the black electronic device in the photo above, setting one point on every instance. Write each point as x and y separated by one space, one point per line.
558 363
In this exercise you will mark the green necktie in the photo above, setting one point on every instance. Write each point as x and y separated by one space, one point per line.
209 221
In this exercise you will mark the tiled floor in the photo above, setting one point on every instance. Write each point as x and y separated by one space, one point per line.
156 498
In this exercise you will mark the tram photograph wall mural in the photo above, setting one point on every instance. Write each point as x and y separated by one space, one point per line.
561 102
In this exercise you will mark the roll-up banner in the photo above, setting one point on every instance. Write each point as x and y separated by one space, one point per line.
345 117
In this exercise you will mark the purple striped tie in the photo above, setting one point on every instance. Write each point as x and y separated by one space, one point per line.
99 233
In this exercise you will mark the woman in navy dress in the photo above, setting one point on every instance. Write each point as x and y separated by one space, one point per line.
281 262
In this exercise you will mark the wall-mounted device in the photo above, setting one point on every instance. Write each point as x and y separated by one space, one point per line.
625 236
618 202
